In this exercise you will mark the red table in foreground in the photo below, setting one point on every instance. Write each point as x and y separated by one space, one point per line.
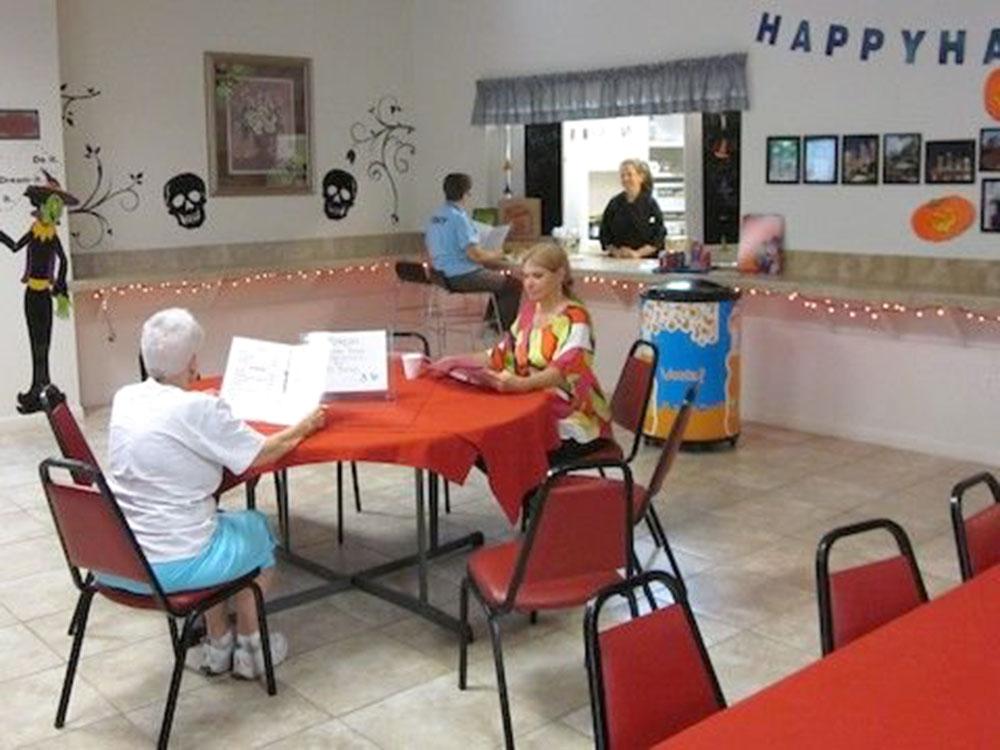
930 679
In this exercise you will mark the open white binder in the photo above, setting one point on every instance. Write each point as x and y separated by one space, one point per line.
268 381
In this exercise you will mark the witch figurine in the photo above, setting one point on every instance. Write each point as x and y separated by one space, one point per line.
44 278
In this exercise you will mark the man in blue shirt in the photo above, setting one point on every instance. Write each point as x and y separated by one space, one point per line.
453 244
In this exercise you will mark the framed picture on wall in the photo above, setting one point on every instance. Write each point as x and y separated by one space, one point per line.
991 206
901 154
259 124
819 155
783 156
950 161
860 160
989 150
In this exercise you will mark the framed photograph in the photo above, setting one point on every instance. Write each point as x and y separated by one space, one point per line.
819 155
783 156
524 216
19 125
860 158
991 206
989 150
901 155
950 161
762 241
259 124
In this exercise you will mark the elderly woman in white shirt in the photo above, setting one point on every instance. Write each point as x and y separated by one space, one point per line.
167 447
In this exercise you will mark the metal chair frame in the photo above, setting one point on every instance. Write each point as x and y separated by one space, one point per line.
494 613
823 569
591 621
88 587
958 518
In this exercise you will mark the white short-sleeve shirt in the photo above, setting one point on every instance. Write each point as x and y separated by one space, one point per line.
166 449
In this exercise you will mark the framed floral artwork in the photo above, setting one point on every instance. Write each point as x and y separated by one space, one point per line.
259 124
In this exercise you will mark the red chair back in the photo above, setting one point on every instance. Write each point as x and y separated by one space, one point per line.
977 537
69 437
651 676
635 384
982 533
672 444
580 526
91 527
856 600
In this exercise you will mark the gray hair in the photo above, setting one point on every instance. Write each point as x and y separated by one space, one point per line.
170 338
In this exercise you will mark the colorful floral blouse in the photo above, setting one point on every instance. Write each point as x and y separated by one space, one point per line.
567 342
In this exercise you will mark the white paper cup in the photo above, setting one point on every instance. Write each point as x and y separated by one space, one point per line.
413 364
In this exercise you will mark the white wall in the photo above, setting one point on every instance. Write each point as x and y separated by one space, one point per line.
790 93
29 59
147 60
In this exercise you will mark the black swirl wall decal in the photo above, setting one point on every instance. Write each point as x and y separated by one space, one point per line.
69 99
387 142
96 226
103 193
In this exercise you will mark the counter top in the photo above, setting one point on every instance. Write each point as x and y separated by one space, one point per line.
912 296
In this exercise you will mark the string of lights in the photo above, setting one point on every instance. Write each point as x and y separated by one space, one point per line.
852 309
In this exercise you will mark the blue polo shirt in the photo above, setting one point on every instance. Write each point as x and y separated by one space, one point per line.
448 234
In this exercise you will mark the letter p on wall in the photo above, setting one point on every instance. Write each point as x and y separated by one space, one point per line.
836 37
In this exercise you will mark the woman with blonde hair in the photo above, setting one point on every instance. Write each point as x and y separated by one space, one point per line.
550 347
632 225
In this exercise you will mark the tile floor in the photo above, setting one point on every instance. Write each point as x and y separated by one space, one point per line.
365 674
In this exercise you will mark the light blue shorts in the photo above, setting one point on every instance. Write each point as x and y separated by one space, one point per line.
242 541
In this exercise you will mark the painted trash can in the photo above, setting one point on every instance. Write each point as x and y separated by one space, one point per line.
695 326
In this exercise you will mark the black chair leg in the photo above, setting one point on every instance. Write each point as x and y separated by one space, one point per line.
340 502
175 684
79 605
447 498
265 639
281 499
357 487
656 526
251 490
673 563
175 640
80 626
508 730
463 634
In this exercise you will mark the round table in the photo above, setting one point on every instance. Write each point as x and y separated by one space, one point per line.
436 425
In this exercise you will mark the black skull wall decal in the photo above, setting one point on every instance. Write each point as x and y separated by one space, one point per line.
185 197
340 189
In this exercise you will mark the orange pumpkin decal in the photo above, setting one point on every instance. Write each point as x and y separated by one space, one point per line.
991 94
943 219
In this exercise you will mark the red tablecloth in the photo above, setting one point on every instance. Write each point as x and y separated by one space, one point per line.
441 426
930 679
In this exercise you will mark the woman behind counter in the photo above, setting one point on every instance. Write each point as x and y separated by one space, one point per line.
632 225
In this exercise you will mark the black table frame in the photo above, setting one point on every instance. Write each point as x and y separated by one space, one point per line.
429 547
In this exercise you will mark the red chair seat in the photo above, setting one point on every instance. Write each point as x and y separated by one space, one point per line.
492 568
182 601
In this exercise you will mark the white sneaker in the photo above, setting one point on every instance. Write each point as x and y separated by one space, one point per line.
248 658
217 654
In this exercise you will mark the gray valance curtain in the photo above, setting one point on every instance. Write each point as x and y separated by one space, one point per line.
704 84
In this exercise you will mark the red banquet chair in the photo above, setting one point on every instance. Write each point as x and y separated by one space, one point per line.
578 540
95 537
650 676
644 495
629 404
859 599
977 537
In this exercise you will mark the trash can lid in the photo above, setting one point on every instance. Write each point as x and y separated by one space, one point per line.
690 290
